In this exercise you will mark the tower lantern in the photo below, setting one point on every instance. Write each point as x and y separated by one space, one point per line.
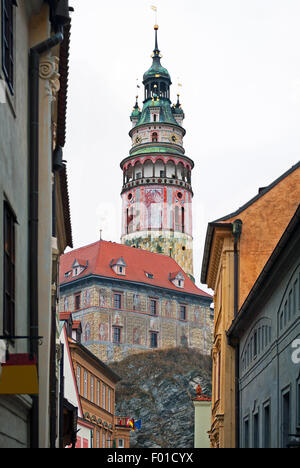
157 191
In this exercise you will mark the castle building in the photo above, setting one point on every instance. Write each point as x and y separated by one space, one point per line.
130 300
157 191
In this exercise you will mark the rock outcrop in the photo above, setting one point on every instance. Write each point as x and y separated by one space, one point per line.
157 387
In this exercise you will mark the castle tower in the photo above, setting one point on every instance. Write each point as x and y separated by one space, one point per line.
157 191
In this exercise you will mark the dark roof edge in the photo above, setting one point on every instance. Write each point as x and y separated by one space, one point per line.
261 194
259 284
207 246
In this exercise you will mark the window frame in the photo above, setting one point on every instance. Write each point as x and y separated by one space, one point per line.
285 431
78 378
183 306
9 269
152 334
92 389
246 432
153 302
77 298
104 396
85 383
117 304
8 43
267 424
256 429
298 403
115 328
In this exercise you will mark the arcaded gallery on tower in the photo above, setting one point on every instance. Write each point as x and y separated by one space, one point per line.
141 294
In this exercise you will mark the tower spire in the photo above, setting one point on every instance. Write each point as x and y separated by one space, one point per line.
156 50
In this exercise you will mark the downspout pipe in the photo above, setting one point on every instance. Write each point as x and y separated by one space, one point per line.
236 231
34 62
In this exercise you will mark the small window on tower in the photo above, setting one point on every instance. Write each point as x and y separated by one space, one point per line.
154 137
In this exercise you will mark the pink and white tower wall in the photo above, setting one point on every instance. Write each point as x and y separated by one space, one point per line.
157 192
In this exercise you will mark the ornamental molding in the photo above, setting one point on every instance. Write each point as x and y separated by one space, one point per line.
49 72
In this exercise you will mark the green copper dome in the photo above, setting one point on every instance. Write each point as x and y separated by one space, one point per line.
136 112
176 108
155 70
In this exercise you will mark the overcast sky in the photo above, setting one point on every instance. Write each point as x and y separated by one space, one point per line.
239 64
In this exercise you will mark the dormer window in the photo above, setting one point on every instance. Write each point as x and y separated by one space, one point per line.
154 115
149 275
177 279
118 266
78 267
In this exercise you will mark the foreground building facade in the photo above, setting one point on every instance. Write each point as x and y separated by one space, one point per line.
130 300
266 333
236 250
34 212
90 388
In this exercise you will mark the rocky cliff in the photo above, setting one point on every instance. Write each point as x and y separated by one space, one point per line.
157 387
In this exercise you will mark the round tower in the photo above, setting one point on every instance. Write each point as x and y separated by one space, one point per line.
157 191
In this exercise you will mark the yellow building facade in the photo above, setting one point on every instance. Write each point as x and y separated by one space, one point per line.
237 248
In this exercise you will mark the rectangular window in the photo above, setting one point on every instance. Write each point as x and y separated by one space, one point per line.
104 396
117 301
103 439
286 417
256 430
92 389
78 378
153 307
255 344
153 340
121 443
109 400
116 335
219 375
85 378
8 42
98 392
77 301
9 271
267 426
182 312
246 433
298 404
97 439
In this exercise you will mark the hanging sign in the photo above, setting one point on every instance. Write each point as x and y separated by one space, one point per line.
19 376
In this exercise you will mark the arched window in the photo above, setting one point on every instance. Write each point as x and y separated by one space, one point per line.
154 137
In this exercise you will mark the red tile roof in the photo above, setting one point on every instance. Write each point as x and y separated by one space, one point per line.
100 254
64 315
76 324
